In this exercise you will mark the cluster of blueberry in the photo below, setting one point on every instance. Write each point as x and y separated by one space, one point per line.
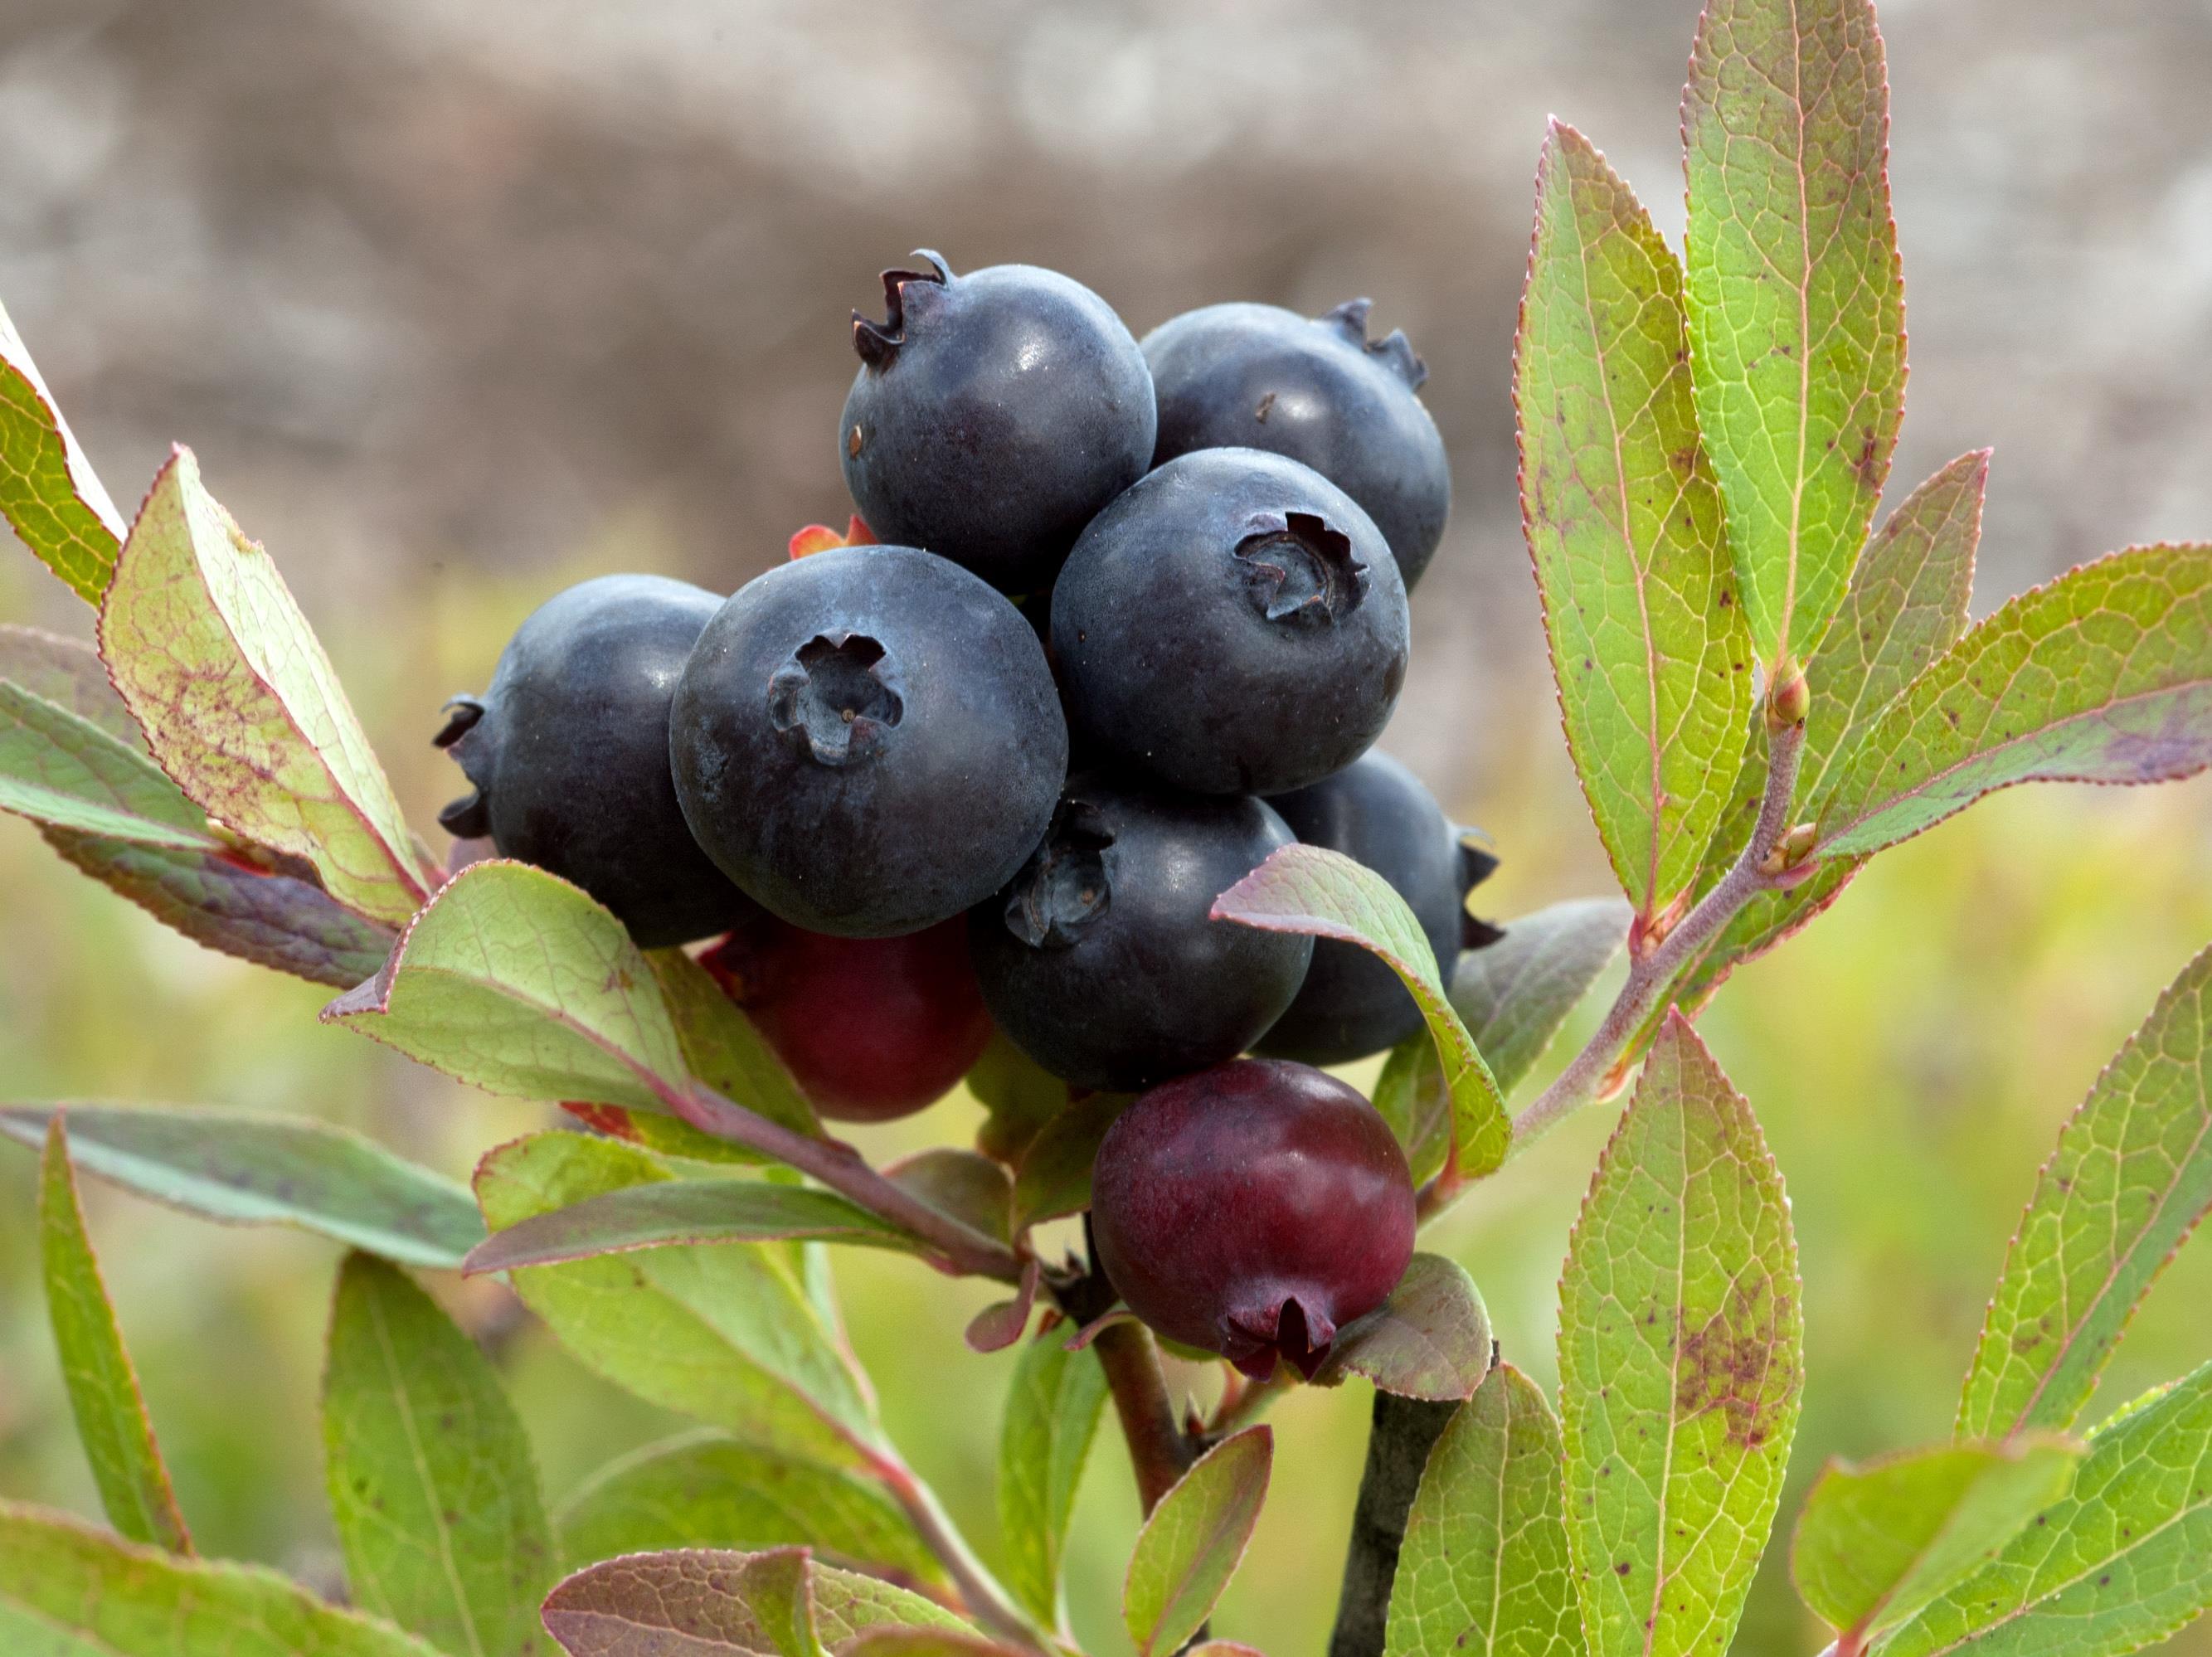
1179 566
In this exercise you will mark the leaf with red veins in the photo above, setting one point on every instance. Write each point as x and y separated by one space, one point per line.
2104 676
48 490
1623 527
240 705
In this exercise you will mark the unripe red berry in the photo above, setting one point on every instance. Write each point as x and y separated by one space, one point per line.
872 1028
1253 1210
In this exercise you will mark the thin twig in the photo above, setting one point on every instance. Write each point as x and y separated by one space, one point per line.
958 1249
1158 1451
985 1600
1651 976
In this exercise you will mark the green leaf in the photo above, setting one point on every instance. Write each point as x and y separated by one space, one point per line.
103 1387
56 768
2103 676
269 919
690 1603
1796 299
1194 1540
244 1169
1516 993
2131 1177
516 981
2122 1561
1410 1095
48 490
682 1212
1624 526
921 1643
1681 1361
1906 605
1877 1541
733 1336
432 1482
69 673
965 1185
1019 1097
722 1048
1430 1340
1484 1570
1310 890
67 1590
1052 1416
238 701
707 1489
1053 1179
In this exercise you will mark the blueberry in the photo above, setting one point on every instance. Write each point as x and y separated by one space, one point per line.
1319 391
868 741
1101 961
1233 624
1378 813
1253 1210
569 752
992 415
872 1028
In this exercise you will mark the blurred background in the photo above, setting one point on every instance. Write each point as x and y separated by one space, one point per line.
459 302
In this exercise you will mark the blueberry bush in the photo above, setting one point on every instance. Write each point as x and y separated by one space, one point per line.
1053 775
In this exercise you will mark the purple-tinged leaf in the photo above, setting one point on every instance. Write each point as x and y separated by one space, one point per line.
2129 1181
706 1603
1324 894
1430 1340
680 1213
921 1643
111 1422
964 1185
69 673
1624 526
1002 1323
240 705
1796 299
222 902
246 1169
1194 1540
48 490
2105 675
1515 993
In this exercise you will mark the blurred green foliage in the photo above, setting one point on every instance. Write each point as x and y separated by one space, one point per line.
1910 1058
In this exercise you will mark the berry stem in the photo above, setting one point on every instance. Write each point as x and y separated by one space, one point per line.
955 1248
1158 1451
1651 976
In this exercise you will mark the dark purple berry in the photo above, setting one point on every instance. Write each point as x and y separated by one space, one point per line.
994 414
868 741
872 1028
569 752
1232 624
1253 1210
1100 960
1376 812
1318 390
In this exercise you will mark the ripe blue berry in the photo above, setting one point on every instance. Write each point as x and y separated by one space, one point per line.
868 741
1376 812
569 753
1319 391
1101 961
1253 1210
1232 624
992 415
